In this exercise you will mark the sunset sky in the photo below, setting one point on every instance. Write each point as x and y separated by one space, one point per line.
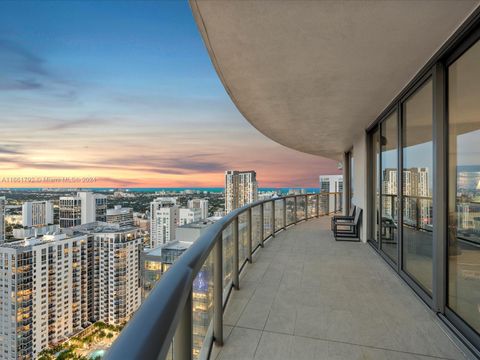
125 92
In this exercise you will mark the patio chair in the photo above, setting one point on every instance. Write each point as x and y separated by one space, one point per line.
348 230
343 218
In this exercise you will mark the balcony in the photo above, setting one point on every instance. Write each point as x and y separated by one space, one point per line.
264 283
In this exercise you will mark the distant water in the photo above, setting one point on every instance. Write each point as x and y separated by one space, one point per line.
209 189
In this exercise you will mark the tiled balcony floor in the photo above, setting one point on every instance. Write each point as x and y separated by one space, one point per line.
307 296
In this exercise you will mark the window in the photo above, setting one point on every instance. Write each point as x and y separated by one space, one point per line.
464 187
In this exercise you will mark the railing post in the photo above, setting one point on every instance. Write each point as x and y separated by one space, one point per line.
273 218
317 210
249 234
295 217
236 278
183 340
218 292
262 225
284 213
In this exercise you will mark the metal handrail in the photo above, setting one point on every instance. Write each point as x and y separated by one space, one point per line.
167 311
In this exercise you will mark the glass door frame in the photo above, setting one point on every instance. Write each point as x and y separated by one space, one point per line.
436 69
419 289
460 327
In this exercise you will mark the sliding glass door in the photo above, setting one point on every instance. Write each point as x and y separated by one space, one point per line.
464 187
417 186
389 186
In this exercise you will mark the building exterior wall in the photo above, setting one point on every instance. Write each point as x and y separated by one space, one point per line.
201 204
37 213
241 188
164 217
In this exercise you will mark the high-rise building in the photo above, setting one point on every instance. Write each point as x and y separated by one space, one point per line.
241 188
2 219
120 215
83 208
117 289
187 216
63 282
331 183
201 204
163 220
37 213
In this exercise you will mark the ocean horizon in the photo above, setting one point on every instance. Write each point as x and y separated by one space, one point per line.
155 189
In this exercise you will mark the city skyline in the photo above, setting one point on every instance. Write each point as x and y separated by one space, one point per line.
125 94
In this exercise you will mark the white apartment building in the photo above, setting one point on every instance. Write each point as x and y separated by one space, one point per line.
117 291
164 217
201 204
37 213
241 188
54 286
2 219
42 291
187 216
120 215
331 183
83 208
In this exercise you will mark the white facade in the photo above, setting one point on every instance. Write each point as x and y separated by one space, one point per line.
187 216
201 204
47 293
164 217
37 213
118 293
2 219
241 188
331 183
57 285
120 215
84 208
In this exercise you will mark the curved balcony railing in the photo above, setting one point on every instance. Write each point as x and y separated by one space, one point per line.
183 315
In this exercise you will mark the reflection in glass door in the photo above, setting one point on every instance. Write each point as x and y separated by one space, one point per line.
389 184
417 188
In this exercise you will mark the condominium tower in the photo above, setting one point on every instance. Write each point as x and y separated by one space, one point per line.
241 188
56 285
83 208
164 215
37 213
201 204
120 215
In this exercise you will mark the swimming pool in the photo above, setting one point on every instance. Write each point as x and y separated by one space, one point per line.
96 353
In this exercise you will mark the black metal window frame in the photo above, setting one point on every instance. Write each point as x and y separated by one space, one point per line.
436 69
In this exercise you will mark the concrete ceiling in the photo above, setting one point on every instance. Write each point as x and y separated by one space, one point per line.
312 75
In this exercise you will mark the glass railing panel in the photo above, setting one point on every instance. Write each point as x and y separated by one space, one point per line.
243 237
279 214
267 222
202 302
301 210
324 202
312 205
227 255
256 226
290 210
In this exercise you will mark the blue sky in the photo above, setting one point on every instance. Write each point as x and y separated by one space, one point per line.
125 91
